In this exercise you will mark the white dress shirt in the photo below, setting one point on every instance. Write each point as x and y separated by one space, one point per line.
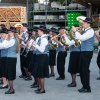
7 43
43 44
87 35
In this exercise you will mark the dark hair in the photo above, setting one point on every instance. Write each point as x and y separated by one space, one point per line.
12 29
42 28
24 24
35 29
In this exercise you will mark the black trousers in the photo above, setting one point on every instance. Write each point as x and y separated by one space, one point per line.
22 62
85 59
52 57
61 63
98 59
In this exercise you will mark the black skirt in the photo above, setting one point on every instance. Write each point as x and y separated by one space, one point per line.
3 66
74 62
52 57
41 68
11 68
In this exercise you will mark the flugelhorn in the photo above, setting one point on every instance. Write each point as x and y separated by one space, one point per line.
72 37
79 29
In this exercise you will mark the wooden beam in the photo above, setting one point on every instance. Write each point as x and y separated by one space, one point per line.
82 2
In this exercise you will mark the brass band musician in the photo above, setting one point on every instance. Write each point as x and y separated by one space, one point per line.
62 53
52 50
97 33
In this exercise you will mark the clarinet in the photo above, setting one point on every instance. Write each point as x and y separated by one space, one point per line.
29 48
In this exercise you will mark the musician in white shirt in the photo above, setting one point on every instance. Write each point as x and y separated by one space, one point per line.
41 70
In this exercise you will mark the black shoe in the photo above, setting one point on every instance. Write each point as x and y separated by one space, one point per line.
71 85
59 78
28 78
4 87
98 78
40 92
37 90
83 90
10 91
34 86
51 75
